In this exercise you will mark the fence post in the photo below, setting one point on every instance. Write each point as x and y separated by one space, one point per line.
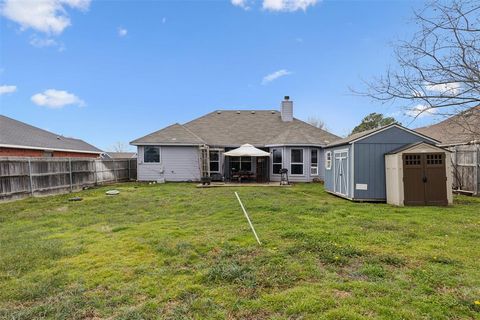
95 177
30 176
114 170
129 177
70 169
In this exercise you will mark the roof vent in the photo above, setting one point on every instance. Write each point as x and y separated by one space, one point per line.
273 112
219 111
58 137
238 112
252 112
174 139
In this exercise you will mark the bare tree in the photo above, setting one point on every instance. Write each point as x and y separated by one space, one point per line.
317 122
120 146
438 70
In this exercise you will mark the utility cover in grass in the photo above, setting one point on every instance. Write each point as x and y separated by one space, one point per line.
112 192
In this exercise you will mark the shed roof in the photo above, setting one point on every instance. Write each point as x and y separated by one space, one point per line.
459 129
17 134
367 133
412 145
234 128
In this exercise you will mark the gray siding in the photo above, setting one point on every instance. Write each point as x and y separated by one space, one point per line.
370 160
306 176
178 163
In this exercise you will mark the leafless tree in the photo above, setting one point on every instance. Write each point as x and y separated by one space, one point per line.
120 146
317 122
438 70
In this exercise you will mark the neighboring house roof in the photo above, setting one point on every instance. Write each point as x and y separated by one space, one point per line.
234 128
367 133
460 129
17 134
120 155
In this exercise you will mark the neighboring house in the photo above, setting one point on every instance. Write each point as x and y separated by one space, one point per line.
461 129
355 166
119 155
461 134
23 140
195 149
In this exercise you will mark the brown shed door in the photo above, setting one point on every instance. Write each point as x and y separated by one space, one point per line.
424 179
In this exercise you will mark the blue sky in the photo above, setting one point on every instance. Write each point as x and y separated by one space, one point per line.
108 71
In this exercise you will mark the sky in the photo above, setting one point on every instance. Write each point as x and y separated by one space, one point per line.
113 71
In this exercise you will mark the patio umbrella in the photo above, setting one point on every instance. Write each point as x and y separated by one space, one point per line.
247 150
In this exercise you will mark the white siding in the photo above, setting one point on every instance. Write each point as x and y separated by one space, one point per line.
177 163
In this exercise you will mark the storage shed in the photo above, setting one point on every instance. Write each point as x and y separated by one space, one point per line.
355 166
419 174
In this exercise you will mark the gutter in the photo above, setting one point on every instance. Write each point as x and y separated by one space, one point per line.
48 149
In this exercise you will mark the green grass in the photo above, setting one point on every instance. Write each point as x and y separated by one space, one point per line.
177 252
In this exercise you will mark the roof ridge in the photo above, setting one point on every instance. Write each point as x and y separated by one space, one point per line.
193 133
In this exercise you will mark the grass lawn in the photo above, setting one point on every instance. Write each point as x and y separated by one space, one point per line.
177 252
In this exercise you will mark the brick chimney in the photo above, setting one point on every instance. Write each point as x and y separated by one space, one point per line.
287 109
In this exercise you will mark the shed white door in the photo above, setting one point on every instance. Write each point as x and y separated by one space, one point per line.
340 182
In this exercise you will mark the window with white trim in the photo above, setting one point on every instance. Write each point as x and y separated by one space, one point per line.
314 162
296 161
328 160
214 161
277 160
151 154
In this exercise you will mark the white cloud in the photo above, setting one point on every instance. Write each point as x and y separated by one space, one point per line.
4 89
421 111
444 88
48 16
241 3
275 75
56 99
287 5
43 42
122 32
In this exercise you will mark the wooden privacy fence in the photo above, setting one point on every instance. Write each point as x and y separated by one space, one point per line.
21 177
466 168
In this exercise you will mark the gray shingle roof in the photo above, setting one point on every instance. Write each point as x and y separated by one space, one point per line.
176 134
461 128
234 128
17 133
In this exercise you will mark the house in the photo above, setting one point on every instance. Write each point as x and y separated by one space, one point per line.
187 152
461 135
109 155
18 139
355 166
460 129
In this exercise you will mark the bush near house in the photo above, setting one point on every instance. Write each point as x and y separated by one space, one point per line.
177 252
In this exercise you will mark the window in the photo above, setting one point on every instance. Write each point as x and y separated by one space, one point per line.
328 160
241 163
314 162
277 160
215 161
413 160
434 159
296 161
151 154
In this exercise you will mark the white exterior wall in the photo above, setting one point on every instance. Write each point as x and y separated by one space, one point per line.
177 163
394 174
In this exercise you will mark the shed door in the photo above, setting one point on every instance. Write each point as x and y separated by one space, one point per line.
341 172
424 179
